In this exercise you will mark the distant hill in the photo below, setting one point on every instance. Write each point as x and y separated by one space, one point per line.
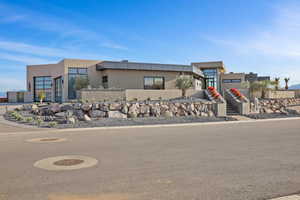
2 94
294 87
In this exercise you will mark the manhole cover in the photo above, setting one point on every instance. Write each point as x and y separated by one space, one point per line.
68 162
46 140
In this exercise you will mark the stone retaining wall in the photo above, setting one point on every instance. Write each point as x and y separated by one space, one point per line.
70 113
277 105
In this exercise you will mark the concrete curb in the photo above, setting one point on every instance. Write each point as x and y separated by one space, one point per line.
292 197
149 126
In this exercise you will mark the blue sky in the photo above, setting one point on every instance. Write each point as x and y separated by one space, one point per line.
258 35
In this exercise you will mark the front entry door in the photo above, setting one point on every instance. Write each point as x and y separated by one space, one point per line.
58 89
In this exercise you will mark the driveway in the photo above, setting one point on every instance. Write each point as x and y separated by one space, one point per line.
240 161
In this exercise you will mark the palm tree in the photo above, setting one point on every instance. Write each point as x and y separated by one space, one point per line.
286 83
277 83
183 83
260 86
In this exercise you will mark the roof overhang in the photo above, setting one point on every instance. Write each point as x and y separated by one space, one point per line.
147 67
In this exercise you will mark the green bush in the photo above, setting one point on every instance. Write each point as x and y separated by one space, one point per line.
39 121
52 124
29 119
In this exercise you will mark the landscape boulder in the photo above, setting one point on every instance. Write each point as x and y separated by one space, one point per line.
116 114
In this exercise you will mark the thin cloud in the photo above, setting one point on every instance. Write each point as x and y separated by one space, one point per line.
45 51
24 59
281 38
64 28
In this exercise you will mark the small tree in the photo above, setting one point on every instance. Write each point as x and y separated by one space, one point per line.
81 82
183 83
286 83
42 96
260 86
277 83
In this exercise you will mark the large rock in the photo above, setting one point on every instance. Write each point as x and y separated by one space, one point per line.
116 114
79 114
155 110
133 111
55 108
86 107
97 114
60 114
86 118
167 114
66 107
71 120
104 107
115 106
77 106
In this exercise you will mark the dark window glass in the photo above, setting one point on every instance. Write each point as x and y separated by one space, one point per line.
42 84
226 80
236 80
75 73
105 81
154 83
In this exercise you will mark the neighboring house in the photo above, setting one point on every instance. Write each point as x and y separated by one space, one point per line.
57 81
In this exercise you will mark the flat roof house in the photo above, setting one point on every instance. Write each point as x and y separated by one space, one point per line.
58 81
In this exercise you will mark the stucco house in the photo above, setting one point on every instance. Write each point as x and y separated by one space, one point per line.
57 81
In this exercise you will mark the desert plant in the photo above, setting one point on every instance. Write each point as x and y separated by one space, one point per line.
42 96
81 82
277 83
29 119
39 121
262 86
286 83
183 83
52 124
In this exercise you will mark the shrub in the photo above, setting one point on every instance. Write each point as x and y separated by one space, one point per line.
52 124
39 121
29 119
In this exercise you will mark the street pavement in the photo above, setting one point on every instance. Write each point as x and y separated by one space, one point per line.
233 161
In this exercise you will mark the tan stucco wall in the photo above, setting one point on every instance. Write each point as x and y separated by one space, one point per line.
60 69
133 94
53 70
280 94
134 79
232 76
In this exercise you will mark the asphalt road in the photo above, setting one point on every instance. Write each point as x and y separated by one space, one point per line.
254 160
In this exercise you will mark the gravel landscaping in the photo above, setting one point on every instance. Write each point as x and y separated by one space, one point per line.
108 122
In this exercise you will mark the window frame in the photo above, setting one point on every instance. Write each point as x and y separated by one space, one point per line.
153 79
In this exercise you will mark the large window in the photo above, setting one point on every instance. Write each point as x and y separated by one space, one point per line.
232 80
42 84
76 76
154 83
211 77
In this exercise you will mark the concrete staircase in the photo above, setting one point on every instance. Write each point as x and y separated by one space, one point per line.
231 110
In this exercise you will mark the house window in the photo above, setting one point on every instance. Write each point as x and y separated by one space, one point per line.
42 84
232 80
73 75
154 83
105 81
